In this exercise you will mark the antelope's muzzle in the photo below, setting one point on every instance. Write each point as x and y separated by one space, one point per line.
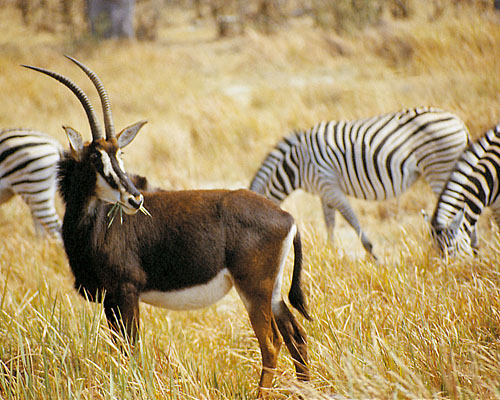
133 203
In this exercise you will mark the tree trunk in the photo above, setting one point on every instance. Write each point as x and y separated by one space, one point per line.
111 18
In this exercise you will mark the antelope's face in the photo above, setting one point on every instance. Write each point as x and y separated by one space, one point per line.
113 184
102 154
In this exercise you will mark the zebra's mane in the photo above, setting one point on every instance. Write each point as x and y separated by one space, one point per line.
475 153
274 160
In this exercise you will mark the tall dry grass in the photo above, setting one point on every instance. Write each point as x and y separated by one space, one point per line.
411 326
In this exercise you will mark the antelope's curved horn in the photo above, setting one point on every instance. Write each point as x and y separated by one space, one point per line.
95 128
103 95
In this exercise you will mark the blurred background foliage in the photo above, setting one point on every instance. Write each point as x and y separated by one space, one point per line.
231 16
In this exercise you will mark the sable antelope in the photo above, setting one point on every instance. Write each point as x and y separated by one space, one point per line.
188 253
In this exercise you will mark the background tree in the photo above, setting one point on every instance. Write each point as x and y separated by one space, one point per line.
111 18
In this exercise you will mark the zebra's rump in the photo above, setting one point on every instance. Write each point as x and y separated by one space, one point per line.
27 156
28 167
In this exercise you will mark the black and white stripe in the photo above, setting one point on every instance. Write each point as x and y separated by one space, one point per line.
374 159
28 164
473 186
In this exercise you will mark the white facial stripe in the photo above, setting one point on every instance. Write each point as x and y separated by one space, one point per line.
110 189
120 161
106 163
106 192
107 167
198 296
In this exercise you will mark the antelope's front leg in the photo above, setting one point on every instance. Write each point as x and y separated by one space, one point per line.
122 311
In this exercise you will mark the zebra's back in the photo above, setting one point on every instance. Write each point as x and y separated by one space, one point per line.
28 167
373 158
381 157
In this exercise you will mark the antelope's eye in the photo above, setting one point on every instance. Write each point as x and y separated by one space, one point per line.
94 156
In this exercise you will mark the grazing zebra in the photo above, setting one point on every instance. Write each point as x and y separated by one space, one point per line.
28 163
374 159
473 186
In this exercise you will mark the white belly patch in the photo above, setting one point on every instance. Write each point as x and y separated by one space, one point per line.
191 298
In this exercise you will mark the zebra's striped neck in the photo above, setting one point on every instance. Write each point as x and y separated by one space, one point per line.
279 174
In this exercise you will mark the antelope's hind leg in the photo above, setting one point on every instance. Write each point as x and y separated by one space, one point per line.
257 301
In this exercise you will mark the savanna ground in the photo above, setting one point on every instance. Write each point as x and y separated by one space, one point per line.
409 326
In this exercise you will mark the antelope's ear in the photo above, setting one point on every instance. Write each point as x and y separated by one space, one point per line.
457 221
75 140
128 134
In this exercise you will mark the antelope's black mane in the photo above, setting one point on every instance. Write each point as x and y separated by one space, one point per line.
76 180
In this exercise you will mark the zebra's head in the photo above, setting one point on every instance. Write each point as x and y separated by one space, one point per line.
100 159
454 239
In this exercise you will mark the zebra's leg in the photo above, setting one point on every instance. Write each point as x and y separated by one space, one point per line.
39 228
496 214
329 214
474 240
495 208
43 212
338 201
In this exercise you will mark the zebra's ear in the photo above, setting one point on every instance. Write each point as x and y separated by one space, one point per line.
457 221
128 134
75 141
424 214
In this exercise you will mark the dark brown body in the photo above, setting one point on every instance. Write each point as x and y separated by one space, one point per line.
188 239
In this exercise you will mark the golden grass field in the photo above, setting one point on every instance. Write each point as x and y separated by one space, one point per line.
410 326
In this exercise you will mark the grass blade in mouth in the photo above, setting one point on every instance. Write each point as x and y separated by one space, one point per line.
117 207
143 210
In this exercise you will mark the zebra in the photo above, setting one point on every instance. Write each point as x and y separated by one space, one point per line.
28 164
374 158
473 185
